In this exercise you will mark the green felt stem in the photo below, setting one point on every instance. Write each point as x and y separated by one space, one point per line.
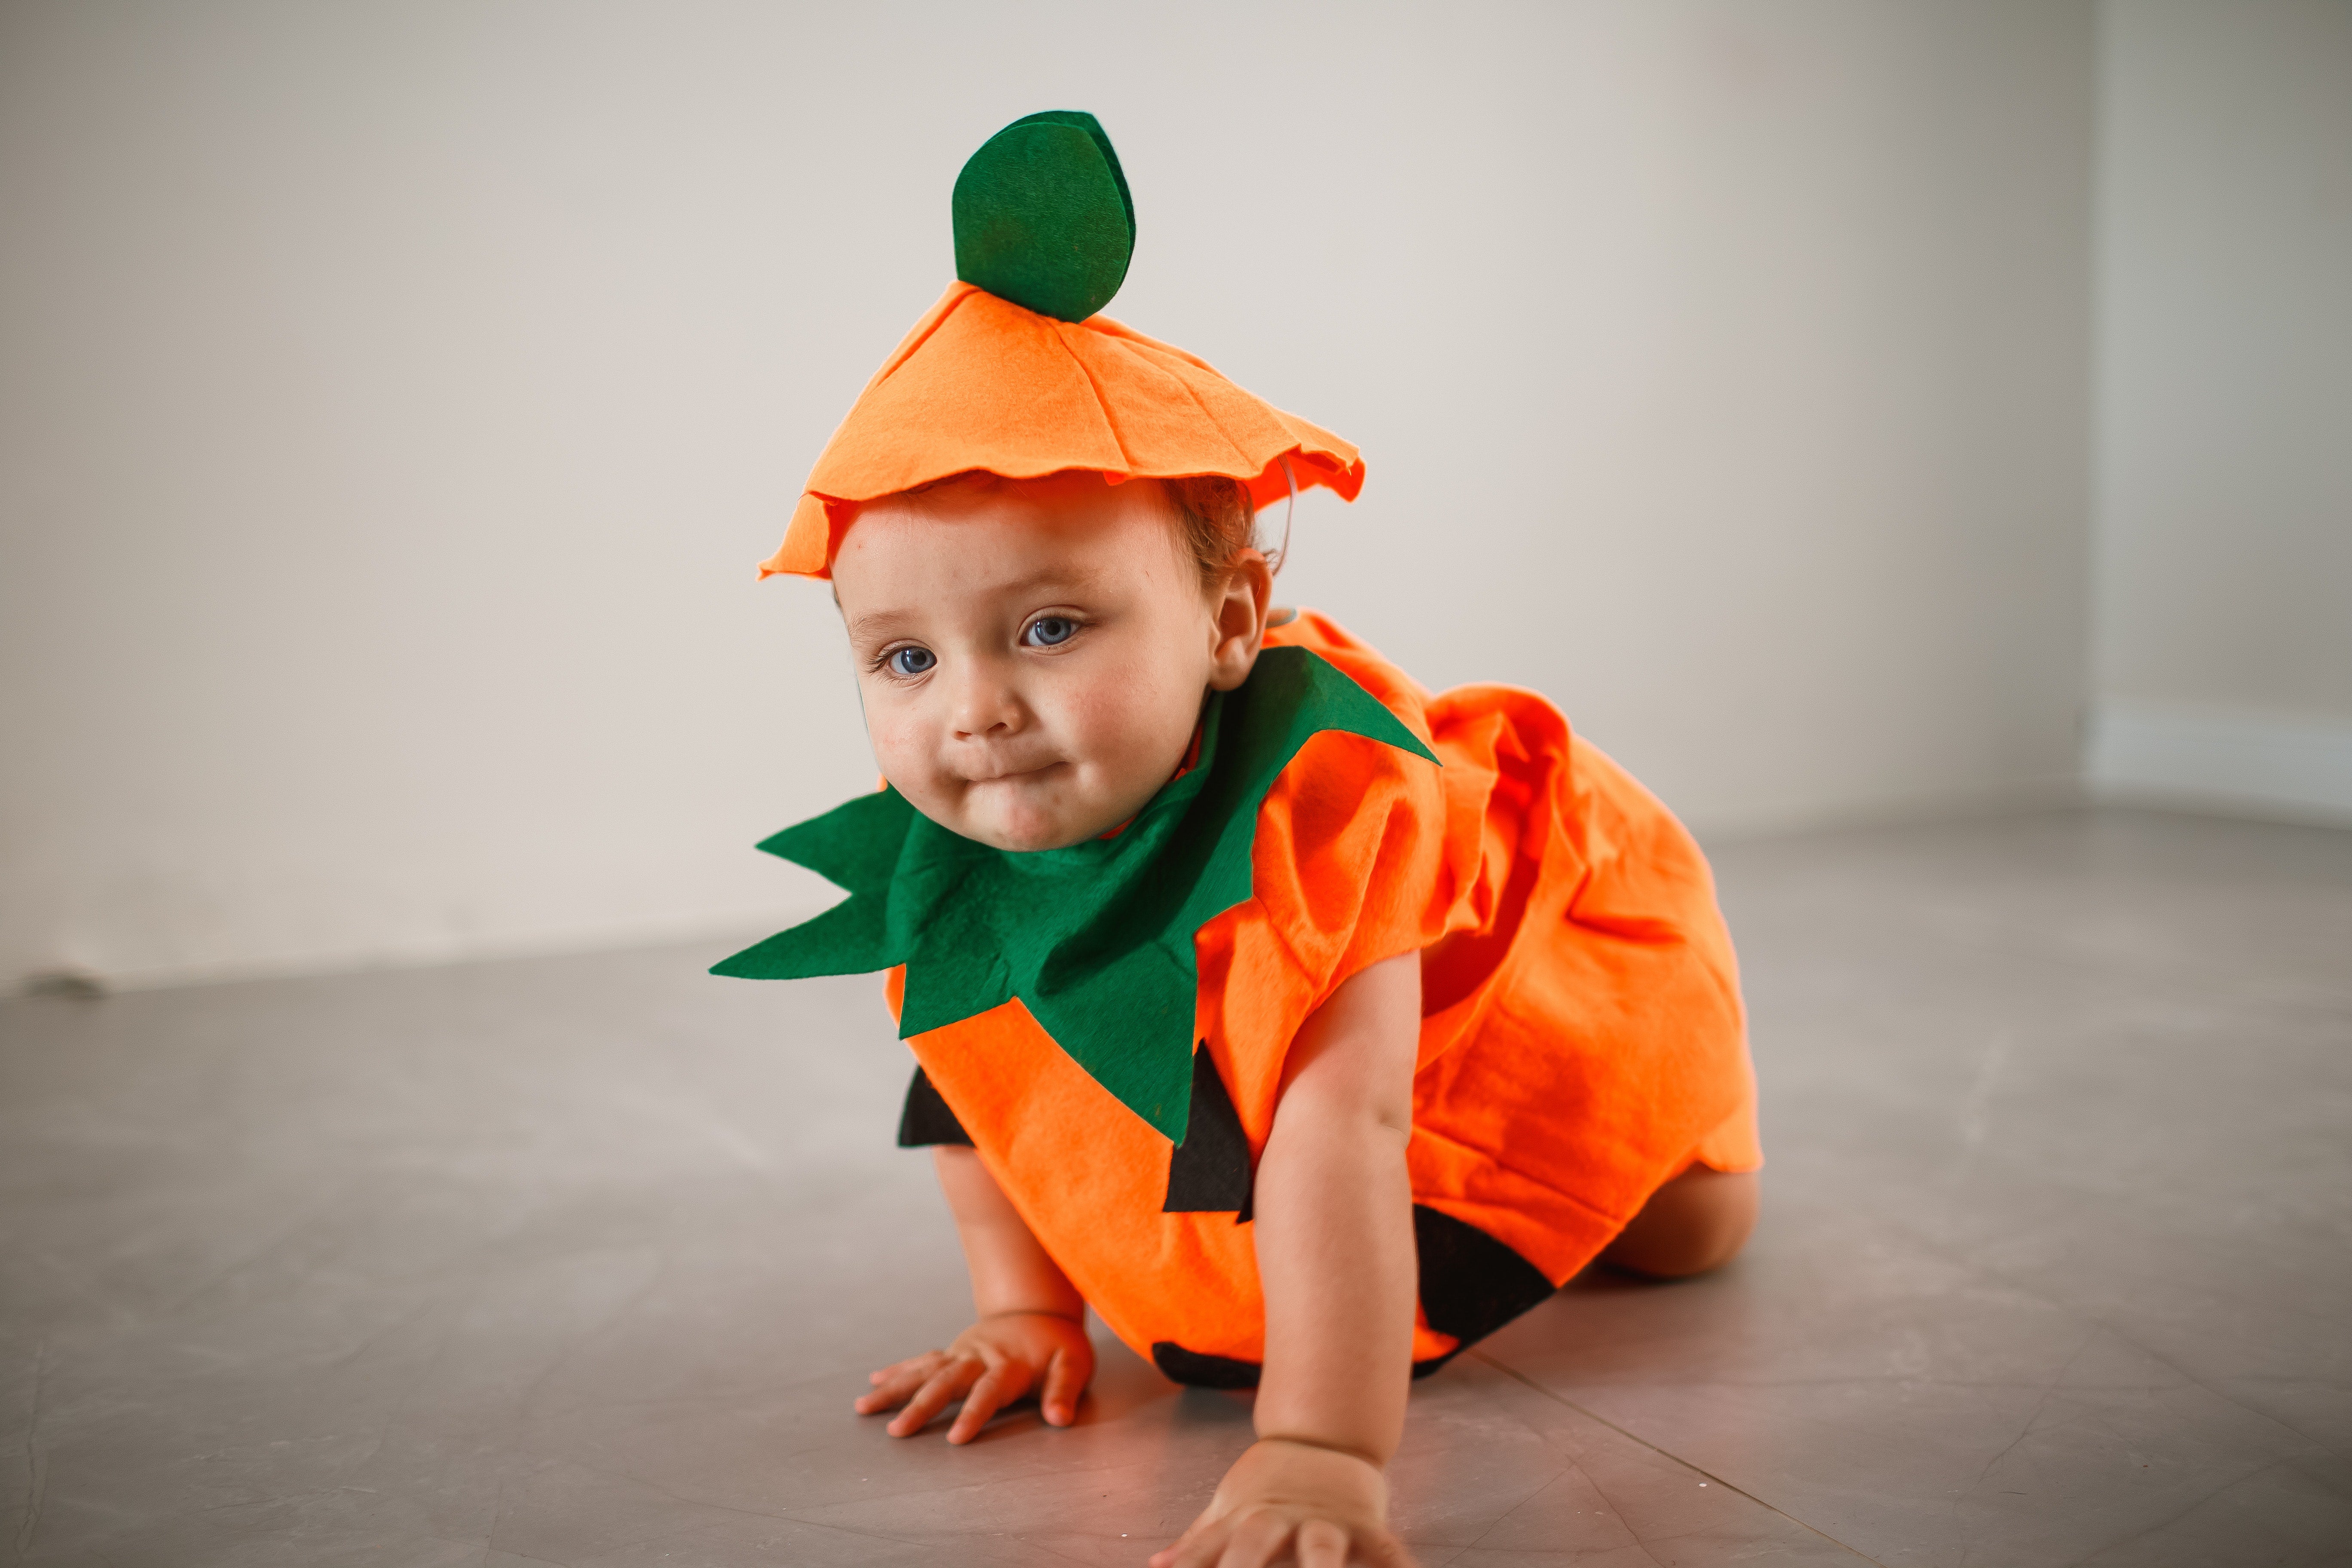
1044 216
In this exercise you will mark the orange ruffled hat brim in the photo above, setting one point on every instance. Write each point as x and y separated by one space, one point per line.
983 385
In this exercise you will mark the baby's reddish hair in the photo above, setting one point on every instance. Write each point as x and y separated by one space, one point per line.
1217 519
1212 512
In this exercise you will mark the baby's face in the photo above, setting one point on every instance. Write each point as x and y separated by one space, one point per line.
1032 656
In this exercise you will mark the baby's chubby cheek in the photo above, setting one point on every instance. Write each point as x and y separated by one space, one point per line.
909 764
1124 737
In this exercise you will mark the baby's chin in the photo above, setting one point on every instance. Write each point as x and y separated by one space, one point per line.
1026 820
1028 832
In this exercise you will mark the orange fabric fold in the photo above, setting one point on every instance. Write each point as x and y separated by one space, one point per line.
983 385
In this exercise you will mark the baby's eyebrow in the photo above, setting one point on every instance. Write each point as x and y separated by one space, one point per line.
1057 578
877 623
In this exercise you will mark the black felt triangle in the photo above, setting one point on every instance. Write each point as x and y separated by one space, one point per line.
1209 1173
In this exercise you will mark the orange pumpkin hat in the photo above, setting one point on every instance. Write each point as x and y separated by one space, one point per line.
1014 374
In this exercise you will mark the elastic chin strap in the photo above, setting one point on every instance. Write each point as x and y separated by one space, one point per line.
1282 554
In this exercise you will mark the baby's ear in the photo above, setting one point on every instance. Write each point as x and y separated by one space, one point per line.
1241 620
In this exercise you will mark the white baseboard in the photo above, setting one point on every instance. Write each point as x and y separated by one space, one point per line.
2255 764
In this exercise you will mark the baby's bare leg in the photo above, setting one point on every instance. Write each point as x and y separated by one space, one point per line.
1697 1221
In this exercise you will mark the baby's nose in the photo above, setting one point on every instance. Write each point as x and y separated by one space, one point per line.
987 708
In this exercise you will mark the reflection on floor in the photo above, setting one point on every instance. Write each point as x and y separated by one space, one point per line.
580 1261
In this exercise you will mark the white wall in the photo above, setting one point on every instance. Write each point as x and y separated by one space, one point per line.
393 400
2224 394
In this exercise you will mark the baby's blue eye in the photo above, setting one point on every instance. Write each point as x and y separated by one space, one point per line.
911 660
1047 630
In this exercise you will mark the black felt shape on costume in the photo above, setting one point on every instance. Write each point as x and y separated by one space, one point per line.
1209 1173
928 1118
1471 1284
1044 218
1195 1370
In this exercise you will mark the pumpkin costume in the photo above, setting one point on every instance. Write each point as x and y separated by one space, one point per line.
1107 1024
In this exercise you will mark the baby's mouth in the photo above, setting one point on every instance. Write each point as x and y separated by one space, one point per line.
1017 775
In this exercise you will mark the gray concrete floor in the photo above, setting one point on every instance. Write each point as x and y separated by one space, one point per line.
580 1261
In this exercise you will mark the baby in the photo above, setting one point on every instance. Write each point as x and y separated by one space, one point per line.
1306 1026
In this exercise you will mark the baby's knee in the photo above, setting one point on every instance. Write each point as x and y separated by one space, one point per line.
1694 1223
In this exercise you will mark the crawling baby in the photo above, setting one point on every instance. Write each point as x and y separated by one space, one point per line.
1303 1025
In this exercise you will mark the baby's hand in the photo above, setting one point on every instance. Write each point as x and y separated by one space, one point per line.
991 1365
1284 1499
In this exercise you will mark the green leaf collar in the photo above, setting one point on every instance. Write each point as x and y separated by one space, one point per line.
1095 939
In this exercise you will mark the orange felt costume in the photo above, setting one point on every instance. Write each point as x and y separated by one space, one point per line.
1583 1040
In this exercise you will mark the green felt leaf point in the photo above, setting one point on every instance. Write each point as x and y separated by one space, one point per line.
1096 940
1044 218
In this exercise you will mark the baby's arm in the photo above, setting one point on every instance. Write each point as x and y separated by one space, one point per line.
1335 1255
1032 1327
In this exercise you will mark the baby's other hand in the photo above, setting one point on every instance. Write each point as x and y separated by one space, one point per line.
1283 1499
992 1363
